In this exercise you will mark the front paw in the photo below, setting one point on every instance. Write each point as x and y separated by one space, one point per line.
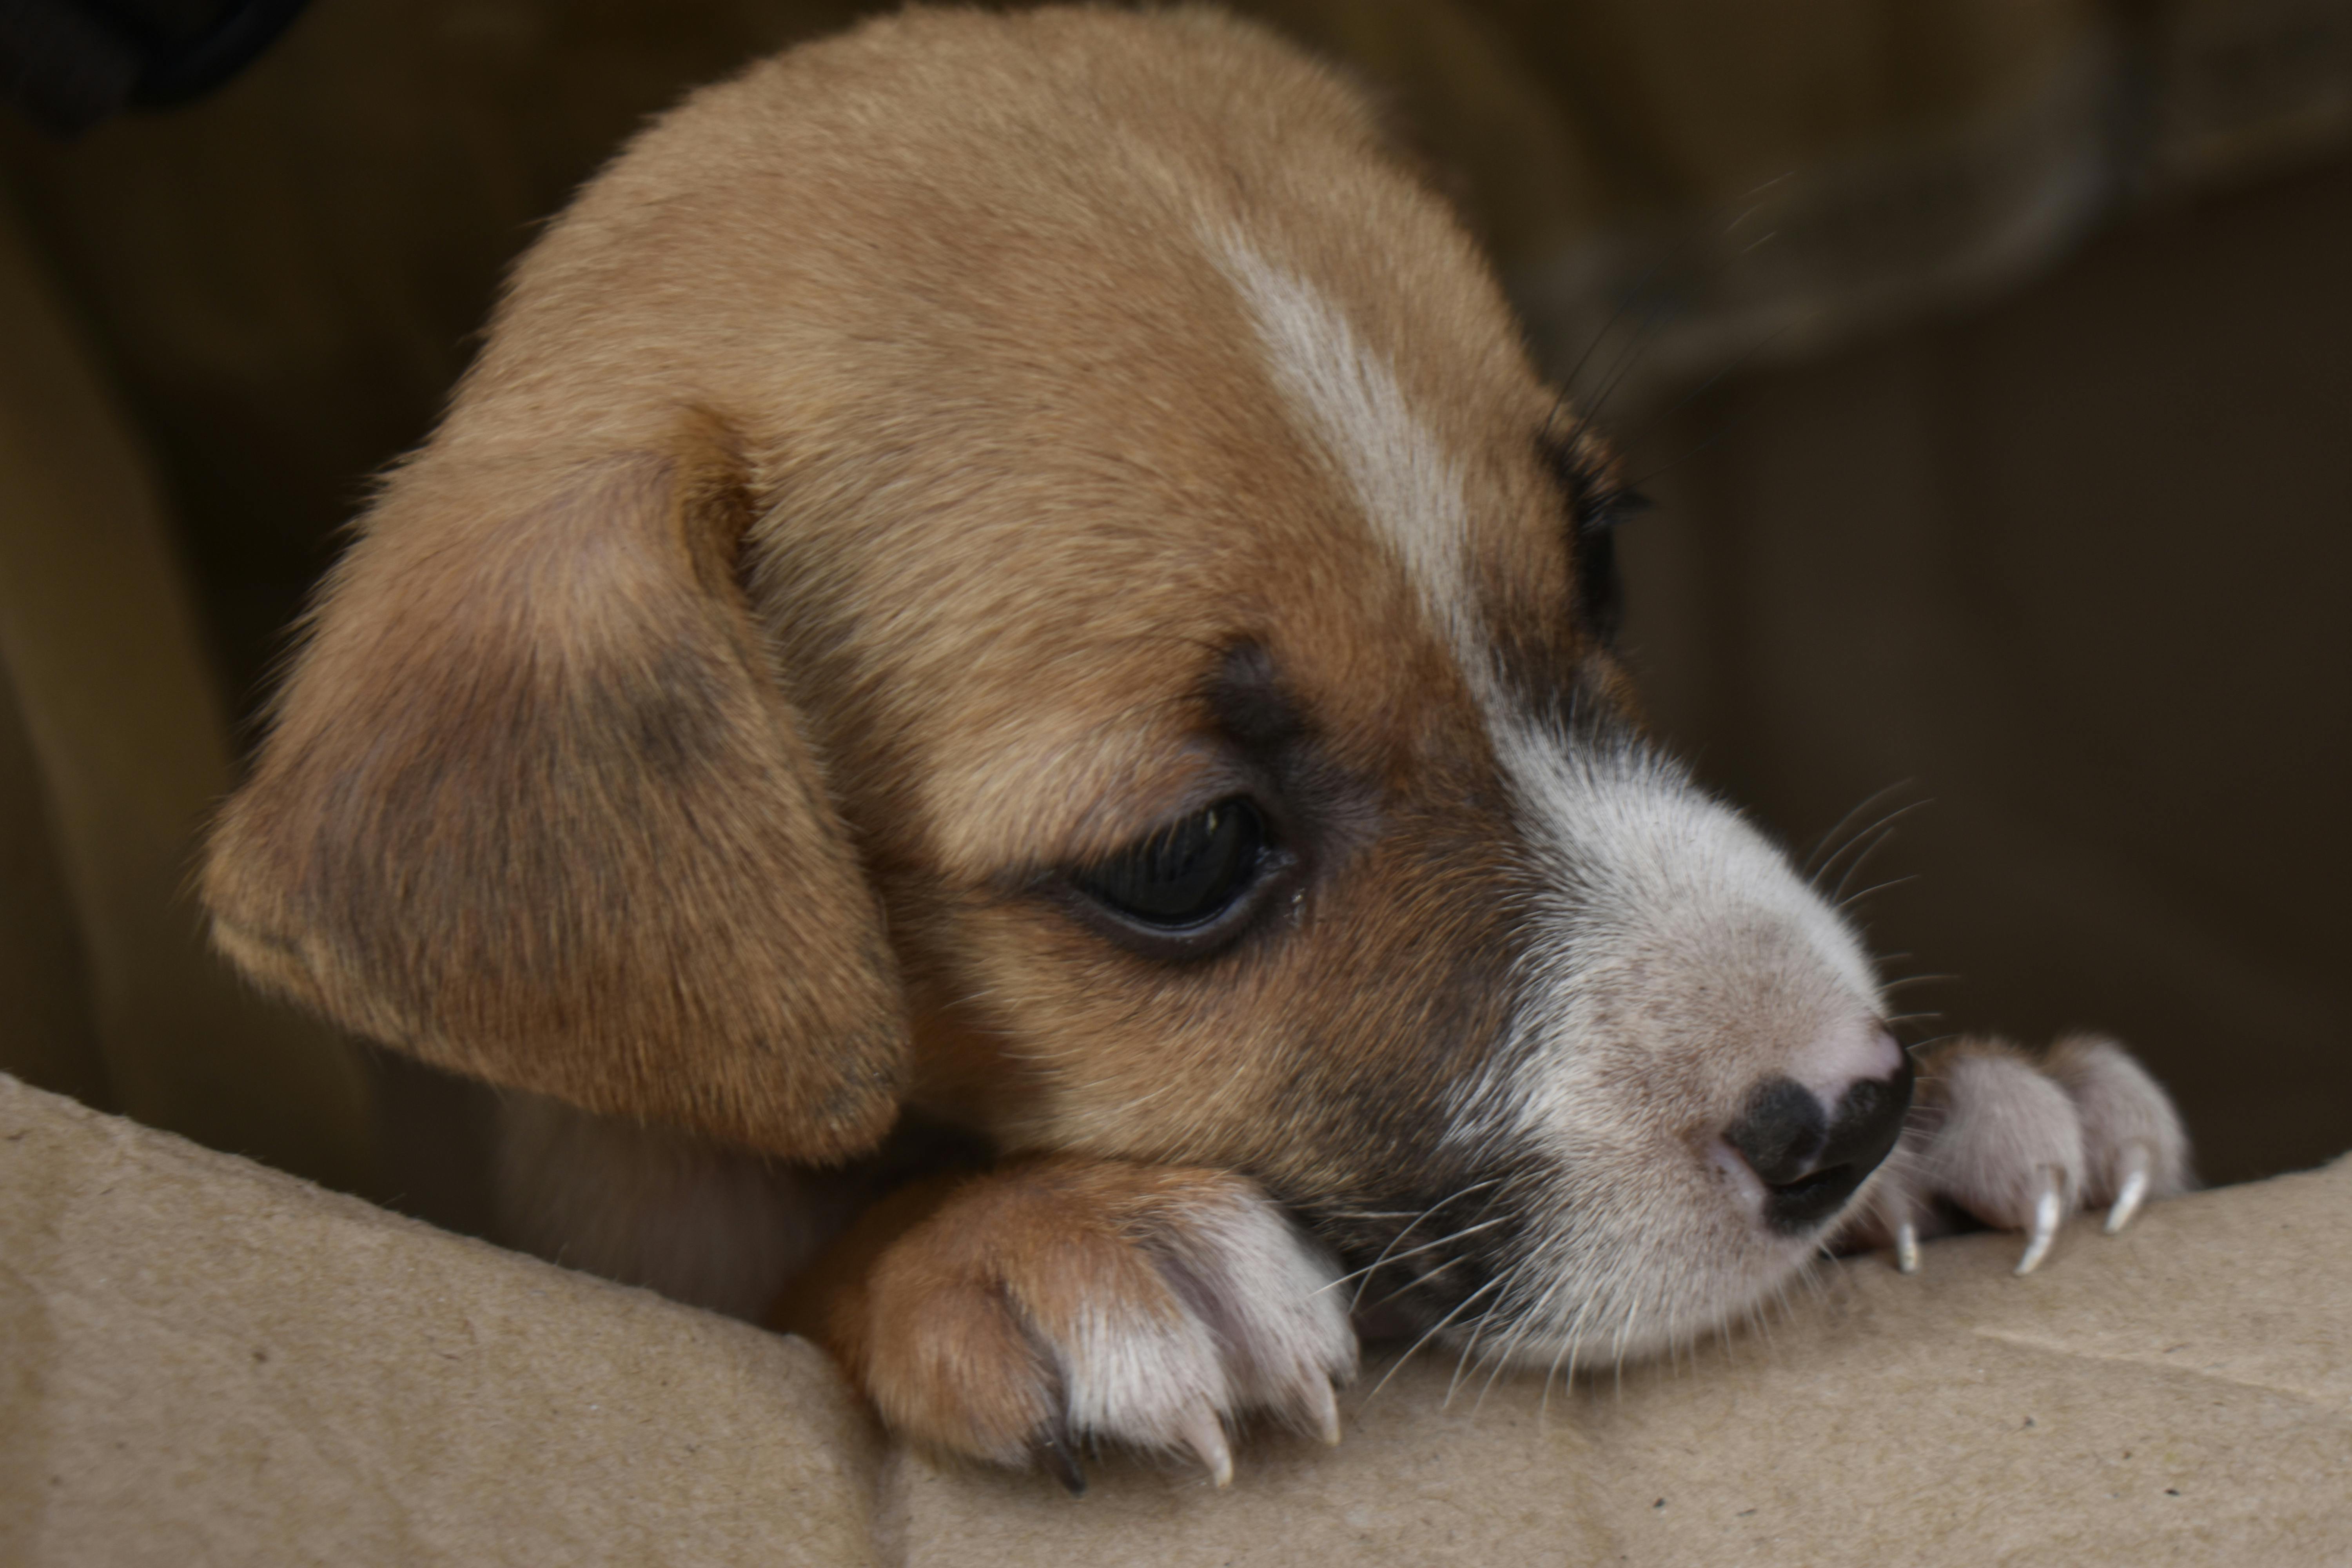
1065 1301
2022 1143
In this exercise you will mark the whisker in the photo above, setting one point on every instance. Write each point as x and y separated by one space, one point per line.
1418 1280
1570 1340
1568 381
1738 362
1461 1361
1384 1259
1500 1358
1433 1329
1528 1320
1883 833
1652 325
1408 1231
1869 841
1503 1360
1844 904
1808 869
1916 980
1682 254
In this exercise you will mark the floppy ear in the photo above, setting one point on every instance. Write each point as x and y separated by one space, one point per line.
534 806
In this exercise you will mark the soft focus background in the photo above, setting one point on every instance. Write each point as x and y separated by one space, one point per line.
1990 359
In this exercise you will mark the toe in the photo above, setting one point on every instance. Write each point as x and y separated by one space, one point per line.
2130 1128
2004 1128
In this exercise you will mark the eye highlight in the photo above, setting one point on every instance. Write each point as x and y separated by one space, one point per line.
1189 873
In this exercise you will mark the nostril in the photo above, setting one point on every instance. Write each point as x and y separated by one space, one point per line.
1870 1116
1810 1159
1780 1131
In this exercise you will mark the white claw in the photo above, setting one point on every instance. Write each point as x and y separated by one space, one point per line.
2049 1208
1323 1408
2137 1158
1906 1248
1205 1435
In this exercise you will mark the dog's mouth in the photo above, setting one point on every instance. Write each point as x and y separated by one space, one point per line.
1412 1261
1809 1200
1472 1263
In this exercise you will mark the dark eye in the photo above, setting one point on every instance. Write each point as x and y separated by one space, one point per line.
1597 503
1600 593
1187 873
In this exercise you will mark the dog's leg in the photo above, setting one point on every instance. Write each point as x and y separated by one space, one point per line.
1015 1315
712 1228
2022 1143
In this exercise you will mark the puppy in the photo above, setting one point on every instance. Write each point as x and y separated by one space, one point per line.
1015 571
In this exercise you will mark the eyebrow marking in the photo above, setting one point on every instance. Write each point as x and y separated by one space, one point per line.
1248 697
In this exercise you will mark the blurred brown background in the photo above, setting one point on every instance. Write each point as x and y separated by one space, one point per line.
1991 361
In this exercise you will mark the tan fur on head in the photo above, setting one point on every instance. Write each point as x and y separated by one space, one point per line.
917 484
536 803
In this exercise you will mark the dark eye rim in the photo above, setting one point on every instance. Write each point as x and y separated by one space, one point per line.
1276 877
1598 501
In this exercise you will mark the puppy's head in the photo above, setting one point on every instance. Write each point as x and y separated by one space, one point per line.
1021 565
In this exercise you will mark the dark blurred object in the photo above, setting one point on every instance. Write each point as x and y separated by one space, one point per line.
69 64
288 278
112 750
1806 172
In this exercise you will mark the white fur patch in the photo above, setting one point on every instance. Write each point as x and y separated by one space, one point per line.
1140 1381
1346 397
1659 896
1259 1327
1267 1297
1636 845
1677 959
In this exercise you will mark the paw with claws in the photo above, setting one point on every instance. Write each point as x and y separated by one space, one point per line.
1046 1306
2020 1143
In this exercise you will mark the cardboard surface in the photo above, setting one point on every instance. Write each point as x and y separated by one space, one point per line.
207 1362
201 1361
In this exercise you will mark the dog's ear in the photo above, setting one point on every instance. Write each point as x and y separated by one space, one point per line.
534 806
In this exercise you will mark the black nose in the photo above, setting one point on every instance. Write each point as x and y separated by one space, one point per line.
1811 1159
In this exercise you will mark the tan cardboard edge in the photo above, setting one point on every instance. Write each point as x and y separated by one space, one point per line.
207 1361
